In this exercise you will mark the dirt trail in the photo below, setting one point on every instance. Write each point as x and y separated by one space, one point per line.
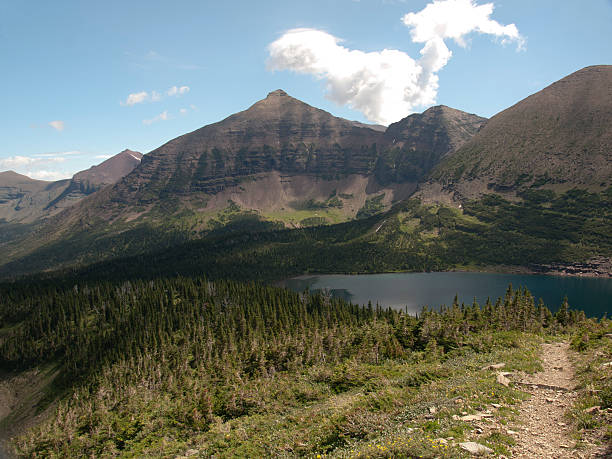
545 432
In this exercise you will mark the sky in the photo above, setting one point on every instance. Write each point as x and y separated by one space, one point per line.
83 80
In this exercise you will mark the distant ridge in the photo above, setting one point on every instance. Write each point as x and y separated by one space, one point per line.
26 200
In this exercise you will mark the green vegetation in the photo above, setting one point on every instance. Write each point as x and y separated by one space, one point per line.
153 368
372 206
312 204
543 228
314 221
410 237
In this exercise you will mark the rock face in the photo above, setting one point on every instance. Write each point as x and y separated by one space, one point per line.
559 137
109 171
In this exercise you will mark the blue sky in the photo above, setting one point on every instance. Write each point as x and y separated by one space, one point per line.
70 66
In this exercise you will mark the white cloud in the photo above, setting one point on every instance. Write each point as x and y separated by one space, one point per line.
183 111
103 156
49 166
387 85
455 19
49 175
17 162
153 96
56 154
36 167
136 98
177 91
161 117
57 125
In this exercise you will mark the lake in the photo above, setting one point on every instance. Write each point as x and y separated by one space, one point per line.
412 291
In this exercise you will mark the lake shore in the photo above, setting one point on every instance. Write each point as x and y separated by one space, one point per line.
599 270
412 291
599 267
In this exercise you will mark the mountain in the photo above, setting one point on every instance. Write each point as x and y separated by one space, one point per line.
25 200
557 138
277 134
281 157
281 162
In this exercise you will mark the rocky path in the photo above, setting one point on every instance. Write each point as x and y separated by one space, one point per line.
544 432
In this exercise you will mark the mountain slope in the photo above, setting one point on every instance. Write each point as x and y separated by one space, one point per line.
559 138
111 170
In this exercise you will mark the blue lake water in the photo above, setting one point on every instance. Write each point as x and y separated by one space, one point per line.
411 291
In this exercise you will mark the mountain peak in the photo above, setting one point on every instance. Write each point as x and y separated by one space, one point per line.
134 154
111 170
277 93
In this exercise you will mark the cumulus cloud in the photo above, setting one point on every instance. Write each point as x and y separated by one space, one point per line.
177 91
57 125
163 116
455 19
387 85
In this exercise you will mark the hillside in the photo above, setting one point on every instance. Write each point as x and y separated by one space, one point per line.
557 138
192 367
280 154
284 164
281 157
